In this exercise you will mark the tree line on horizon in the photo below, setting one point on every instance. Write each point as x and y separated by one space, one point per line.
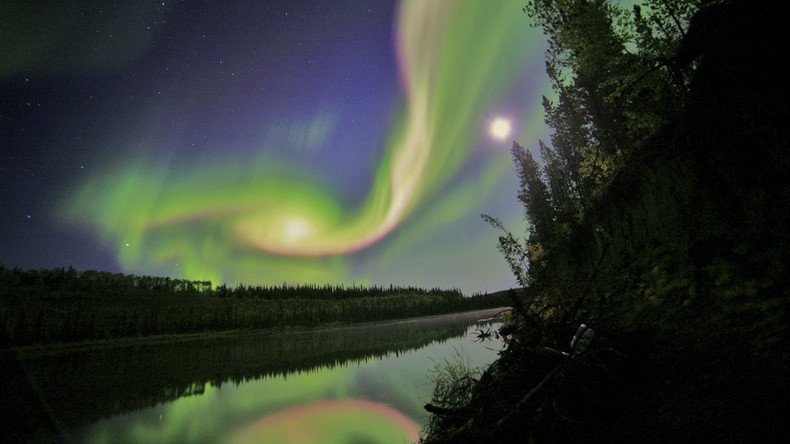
65 305
54 281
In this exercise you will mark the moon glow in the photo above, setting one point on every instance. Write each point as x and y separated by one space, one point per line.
500 128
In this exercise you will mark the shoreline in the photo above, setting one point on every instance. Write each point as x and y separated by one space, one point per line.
58 348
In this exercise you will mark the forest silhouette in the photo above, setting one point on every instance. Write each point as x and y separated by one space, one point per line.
39 307
658 218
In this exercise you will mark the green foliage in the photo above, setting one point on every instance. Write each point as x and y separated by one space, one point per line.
454 381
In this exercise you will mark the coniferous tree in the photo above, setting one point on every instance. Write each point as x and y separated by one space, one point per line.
534 194
560 184
614 77
615 85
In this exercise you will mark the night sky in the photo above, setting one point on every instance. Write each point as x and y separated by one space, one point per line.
266 142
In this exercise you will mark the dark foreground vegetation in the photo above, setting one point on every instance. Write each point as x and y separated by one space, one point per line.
64 305
660 219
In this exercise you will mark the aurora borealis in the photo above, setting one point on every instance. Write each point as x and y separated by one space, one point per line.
275 142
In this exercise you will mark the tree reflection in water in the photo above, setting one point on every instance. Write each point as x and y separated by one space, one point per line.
58 395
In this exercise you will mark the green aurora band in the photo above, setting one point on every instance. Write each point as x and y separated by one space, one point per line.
266 222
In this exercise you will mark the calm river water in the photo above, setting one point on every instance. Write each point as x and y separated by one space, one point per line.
347 385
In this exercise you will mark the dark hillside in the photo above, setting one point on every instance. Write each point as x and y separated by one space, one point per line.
680 264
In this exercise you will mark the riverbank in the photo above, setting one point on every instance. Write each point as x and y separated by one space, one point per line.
53 349
64 306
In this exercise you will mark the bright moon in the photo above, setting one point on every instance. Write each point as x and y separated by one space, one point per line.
500 128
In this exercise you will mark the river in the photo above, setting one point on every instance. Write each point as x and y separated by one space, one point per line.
363 383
